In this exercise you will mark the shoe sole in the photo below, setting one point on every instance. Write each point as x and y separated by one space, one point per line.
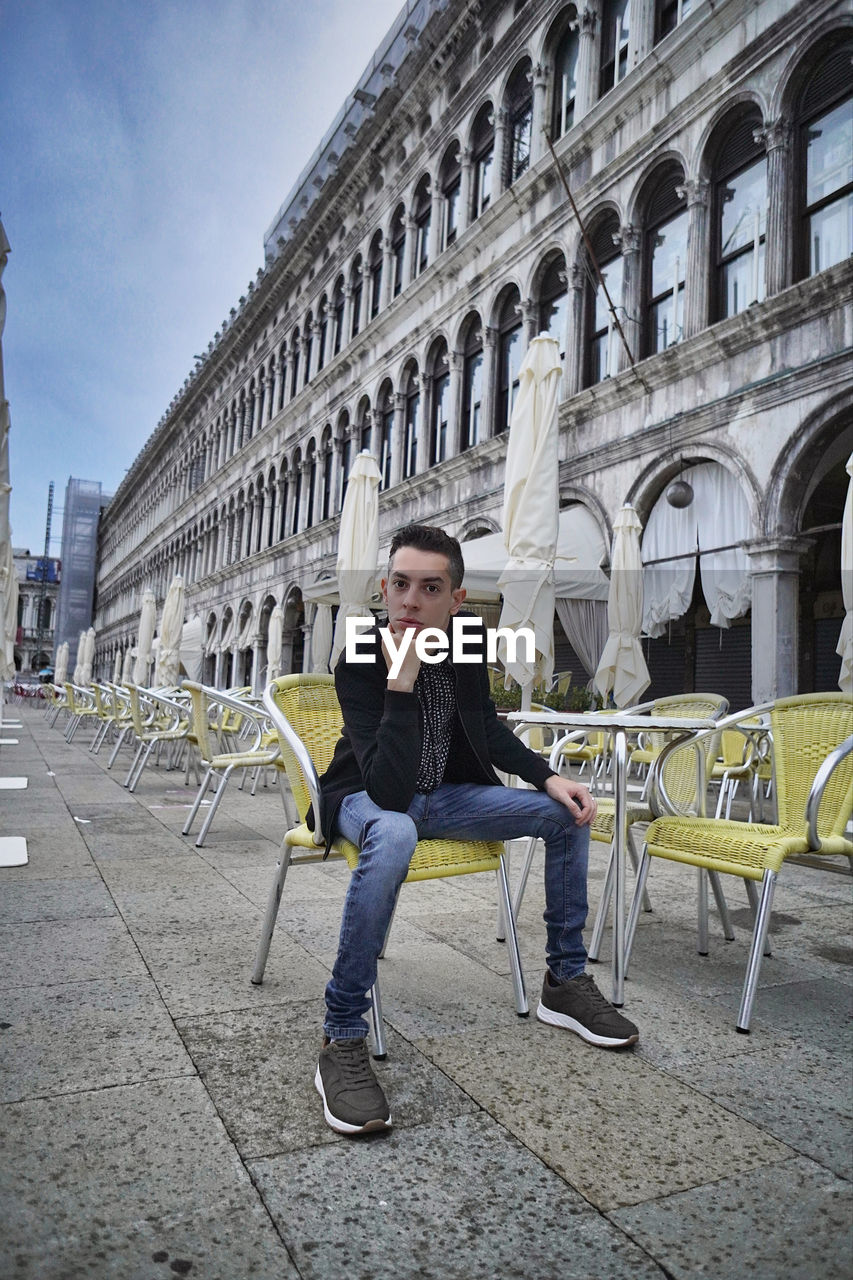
544 1014
342 1126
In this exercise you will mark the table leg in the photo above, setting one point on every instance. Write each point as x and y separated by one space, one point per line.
620 840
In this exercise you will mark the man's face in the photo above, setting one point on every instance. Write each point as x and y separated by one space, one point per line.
417 591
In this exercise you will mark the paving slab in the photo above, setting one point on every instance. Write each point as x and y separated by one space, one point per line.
45 952
617 1130
140 1178
27 899
258 1066
86 1035
460 1199
728 1228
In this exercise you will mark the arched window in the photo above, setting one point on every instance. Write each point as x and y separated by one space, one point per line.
565 78
374 262
482 153
450 179
338 305
385 428
439 408
668 14
295 350
665 259
519 108
472 384
413 404
554 302
510 355
602 338
422 213
398 247
363 424
614 44
740 217
825 162
309 346
356 285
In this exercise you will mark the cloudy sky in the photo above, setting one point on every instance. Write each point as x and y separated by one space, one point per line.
145 147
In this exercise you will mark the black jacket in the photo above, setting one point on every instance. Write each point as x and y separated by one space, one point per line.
380 747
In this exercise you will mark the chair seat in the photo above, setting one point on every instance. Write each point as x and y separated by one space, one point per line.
605 820
432 859
744 849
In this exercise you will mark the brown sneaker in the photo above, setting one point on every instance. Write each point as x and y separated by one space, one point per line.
579 1006
353 1101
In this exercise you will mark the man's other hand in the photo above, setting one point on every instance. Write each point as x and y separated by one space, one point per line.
575 796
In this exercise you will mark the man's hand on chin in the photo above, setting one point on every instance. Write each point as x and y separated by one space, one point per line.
575 796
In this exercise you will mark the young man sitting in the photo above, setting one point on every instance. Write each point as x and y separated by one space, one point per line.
417 760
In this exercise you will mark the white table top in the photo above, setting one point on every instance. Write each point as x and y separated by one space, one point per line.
610 720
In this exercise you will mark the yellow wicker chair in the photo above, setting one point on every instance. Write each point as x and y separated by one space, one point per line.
679 704
813 768
307 717
81 706
210 709
156 721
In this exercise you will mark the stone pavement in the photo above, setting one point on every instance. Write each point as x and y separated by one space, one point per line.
158 1115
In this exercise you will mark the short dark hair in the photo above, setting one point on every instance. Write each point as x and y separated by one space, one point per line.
428 537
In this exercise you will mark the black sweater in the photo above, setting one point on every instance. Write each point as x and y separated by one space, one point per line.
380 747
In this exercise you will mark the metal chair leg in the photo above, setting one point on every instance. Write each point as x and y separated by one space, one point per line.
759 938
187 827
522 1007
268 926
702 910
220 792
722 905
752 894
634 913
380 1049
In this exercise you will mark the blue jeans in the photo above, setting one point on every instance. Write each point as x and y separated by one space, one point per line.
459 811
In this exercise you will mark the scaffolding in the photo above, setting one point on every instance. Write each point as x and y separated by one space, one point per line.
84 501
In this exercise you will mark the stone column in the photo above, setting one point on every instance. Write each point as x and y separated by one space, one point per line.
316 329
465 168
775 572
641 29
456 361
586 93
540 110
288 374
366 286
575 351
435 216
629 306
696 299
530 318
490 373
348 304
409 254
499 163
778 259
387 291
269 394
398 439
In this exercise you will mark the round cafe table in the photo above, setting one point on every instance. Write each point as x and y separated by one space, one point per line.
617 725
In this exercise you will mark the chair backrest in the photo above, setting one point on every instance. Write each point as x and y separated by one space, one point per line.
709 706
304 708
200 722
805 730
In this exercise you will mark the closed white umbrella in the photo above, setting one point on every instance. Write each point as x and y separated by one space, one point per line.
531 513
88 656
168 668
274 639
127 665
147 618
8 577
622 668
358 546
77 677
845 640
117 667
321 637
60 675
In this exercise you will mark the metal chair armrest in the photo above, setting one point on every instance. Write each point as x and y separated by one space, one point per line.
824 773
248 709
660 802
306 764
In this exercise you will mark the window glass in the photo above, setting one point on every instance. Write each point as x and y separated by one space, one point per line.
829 179
668 243
565 83
743 224
614 44
605 343
472 399
410 451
